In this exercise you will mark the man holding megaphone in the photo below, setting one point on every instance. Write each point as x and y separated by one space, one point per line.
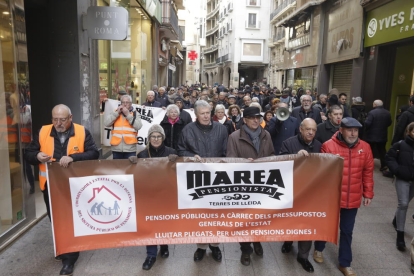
283 126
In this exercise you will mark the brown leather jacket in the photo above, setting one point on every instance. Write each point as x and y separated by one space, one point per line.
240 145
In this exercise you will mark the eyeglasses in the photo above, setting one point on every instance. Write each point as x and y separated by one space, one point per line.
125 102
62 120
155 137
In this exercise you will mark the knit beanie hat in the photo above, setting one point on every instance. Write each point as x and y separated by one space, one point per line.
156 128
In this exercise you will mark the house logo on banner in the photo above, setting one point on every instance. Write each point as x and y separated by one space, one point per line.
103 204
235 185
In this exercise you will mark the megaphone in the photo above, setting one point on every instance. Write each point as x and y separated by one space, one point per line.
282 114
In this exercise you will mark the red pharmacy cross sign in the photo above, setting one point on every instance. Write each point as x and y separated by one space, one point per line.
192 55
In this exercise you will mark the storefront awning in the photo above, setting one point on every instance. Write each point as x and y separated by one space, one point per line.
297 12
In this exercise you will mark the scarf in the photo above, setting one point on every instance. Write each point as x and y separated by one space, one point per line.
254 136
207 128
222 121
156 152
173 122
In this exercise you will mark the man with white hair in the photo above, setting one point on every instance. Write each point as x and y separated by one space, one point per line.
376 131
151 100
125 123
306 110
204 138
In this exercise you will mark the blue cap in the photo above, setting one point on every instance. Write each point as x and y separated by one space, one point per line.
350 122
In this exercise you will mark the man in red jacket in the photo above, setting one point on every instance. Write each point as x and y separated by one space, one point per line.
357 182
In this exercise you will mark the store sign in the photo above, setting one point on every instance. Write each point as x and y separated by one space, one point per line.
344 30
390 22
107 23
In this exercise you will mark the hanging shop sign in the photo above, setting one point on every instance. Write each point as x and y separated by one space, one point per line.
344 31
107 23
390 22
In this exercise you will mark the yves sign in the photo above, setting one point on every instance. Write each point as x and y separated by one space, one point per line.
390 22
107 23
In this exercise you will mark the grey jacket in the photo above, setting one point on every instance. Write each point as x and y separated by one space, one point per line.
109 122
194 140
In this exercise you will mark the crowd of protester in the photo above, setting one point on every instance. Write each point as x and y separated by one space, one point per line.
253 122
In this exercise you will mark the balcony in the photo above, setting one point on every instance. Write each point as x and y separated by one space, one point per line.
279 36
210 65
287 4
212 30
210 49
213 12
226 58
219 60
299 42
169 17
270 43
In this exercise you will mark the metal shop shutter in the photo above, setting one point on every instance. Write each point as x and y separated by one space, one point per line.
342 77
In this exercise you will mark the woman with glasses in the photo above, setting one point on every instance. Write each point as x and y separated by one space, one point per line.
155 148
172 125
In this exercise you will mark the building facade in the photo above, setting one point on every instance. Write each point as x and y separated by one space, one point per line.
236 42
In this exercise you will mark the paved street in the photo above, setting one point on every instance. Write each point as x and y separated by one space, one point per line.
373 246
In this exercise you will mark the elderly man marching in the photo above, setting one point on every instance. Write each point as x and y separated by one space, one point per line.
200 139
62 142
125 123
357 182
250 141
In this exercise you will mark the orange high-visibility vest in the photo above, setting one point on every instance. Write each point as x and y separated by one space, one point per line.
47 145
123 130
263 124
7 127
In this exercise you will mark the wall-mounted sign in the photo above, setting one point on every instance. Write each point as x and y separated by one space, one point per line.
344 30
390 22
192 63
107 23
192 55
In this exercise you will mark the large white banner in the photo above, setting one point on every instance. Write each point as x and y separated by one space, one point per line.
235 185
149 116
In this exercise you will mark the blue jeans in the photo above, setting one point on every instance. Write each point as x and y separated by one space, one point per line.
152 250
346 226
122 155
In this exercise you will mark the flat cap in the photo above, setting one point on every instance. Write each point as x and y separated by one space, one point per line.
350 122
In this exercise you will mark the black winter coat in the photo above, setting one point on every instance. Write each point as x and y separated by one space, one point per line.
186 117
376 125
162 151
400 159
294 144
198 140
405 119
163 100
325 131
300 114
172 132
90 150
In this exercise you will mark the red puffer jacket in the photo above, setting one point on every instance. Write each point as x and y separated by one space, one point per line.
357 179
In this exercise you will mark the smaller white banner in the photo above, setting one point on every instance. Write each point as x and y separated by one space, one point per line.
235 185
103 204
149 116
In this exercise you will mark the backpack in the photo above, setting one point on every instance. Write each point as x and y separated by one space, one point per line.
362 117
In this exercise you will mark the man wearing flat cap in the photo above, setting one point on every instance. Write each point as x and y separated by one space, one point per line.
357 183
250 141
